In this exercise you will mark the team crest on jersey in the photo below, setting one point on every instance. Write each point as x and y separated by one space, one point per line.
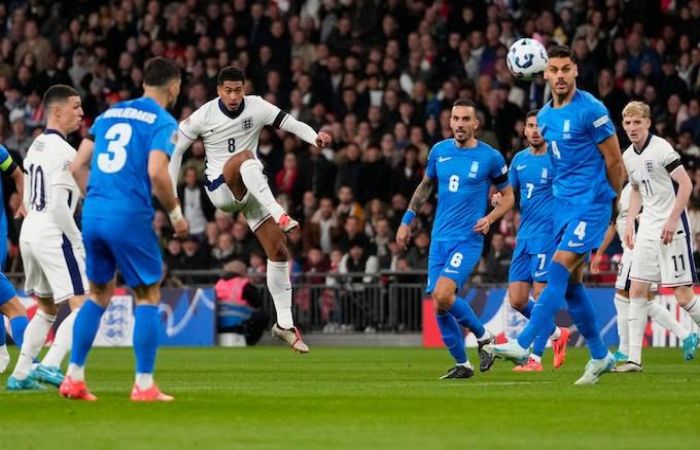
649 164
544 176
474 169
247 123
173 138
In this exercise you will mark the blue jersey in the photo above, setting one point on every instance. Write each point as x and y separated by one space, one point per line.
6 165
464 176
124 136
532 176
572 133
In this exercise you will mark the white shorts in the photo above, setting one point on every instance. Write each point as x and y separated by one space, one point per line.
56 271
223 199
622 283
670 265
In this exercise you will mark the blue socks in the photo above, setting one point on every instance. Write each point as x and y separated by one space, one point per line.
452 336
146 331
466 317
542 338
2 330
581 310
85 329
18 325
527 309
542 316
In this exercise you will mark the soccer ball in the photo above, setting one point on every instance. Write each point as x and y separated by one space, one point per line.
526 57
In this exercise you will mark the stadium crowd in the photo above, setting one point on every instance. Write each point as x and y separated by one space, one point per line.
380 76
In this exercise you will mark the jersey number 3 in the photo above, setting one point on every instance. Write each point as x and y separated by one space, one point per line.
118 136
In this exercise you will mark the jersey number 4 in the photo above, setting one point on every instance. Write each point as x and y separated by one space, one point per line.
118 136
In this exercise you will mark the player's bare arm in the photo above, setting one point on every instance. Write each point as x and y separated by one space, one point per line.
685 187
80 167
632 213
505 204
163 190
421 194
610 149
18 178
598 255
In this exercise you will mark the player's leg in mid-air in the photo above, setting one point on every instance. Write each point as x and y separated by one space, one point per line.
526 272
449 266
269 232
244 172
11 307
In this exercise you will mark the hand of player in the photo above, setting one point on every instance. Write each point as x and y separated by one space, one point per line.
21 211
629 236
669 230
496 199
323 140
403 234
181 227
483 225
595 263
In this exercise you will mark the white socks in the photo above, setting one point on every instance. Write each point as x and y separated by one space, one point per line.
256 182
62 342
537 359
637 325
663 317
34 337
693 308
75 372
4 355
486 336
622 306
144 380
556 335
280 286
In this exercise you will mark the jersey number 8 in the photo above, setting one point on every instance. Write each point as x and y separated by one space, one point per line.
118 136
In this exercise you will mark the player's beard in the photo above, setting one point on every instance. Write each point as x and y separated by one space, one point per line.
466 137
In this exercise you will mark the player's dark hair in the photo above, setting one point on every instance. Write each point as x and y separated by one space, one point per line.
560 51
160 71
464 102
532 112
58 93
230 74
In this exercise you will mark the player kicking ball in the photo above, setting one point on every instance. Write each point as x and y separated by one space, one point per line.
663 249
463 170
128 148
10 304
658 313
531 173
230 127
50 241
588 175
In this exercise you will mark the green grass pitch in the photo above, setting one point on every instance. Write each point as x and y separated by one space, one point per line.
334 398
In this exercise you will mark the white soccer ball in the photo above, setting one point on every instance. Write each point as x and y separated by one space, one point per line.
526 57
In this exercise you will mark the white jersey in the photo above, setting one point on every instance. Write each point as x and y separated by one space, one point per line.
48 181
650 171
225 133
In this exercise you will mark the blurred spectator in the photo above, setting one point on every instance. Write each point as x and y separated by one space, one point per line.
174 257
324 227
19 141
417 256
348 207
195 203
497 260
192 256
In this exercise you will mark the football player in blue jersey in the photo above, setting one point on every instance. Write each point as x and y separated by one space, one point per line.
463 170
588 176
128 150
531 173
10 305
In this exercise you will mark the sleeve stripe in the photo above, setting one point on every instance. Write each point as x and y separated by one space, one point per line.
673 165
185 134
7 164
279 119
503 178
602 120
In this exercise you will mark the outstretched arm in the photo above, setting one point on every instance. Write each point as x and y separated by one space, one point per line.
302 130
181 146
598 256
423 191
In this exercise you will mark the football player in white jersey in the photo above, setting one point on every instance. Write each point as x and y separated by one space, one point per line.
230 127
50 241
658 313
663 248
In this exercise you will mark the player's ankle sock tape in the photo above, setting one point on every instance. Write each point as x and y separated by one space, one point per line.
84 331
466 317
452 336
146 331
581 310
542 315
18 325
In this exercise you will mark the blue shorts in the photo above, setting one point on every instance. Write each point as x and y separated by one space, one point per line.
453 260
531 260
7 292
130 245
581 228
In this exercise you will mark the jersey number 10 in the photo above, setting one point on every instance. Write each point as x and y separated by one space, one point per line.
37 188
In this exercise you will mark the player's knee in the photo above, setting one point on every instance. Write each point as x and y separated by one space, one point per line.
442 298
13 308
277 250
49 307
